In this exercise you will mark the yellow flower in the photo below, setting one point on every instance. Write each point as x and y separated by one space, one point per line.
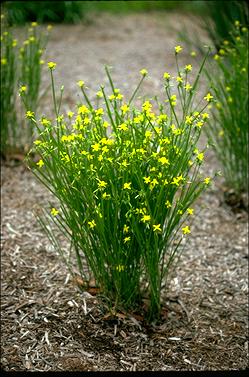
127 239
51 65
105 195
99 94
41 62
166 75
120 268
157 228
91 224
54 212
80 83
145 218
124 108
40 163
123 127
3 61
23 89
45 122
190 211
34 24
144 72
70 114
193 53
207 180
179 79
126 228
205 116
208 97
146 179
200 156
163 160
127 186
96 147
102 184
186 230
83 110
30 114
216 57
178 49
168 204
188 87
188 68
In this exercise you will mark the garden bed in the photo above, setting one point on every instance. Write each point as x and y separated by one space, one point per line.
47 323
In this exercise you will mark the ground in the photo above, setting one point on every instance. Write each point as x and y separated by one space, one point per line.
47 323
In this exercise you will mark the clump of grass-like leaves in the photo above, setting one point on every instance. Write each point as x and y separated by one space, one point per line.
229 125
125 179
20 72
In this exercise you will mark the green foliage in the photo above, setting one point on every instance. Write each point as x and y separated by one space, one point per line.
20 12
125 179
8 90
20 72
222 15
228 77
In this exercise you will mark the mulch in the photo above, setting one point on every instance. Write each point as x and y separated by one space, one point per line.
48 324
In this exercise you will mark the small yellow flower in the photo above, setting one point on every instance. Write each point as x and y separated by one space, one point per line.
80 83
207 180
106 196
188 87
99 94
166 75
193 53
163 160
205 116
40 163
54 212
51 65
120 268
186 230
208 97
41 62
168 204
127 239
190 211
127 186
3 61
188 68
126 228
102 184
146 179
34 24
145 218
157 228
96 147
123 127
23 89
70 114
200 156
178 49
91 224
124 108
144 72
179 79
30 114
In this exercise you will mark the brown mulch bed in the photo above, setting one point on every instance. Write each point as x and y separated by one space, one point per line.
47 323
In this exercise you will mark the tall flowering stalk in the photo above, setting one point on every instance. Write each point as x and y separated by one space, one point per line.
228 127
125 179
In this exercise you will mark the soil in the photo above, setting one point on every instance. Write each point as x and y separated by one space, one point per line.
48 324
